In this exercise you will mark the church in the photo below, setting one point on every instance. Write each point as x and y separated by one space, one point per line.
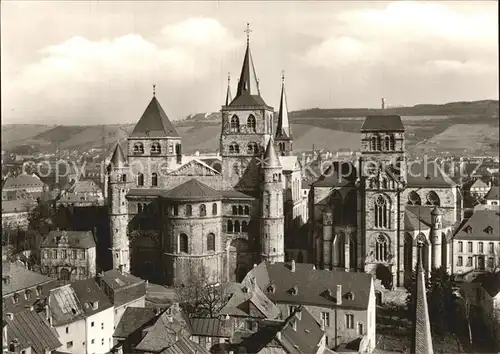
173 217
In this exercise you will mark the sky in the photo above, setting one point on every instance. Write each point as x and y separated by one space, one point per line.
94 62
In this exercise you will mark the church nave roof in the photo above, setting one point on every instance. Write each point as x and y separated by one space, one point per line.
193 190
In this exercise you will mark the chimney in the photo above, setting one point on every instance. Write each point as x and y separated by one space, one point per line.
339 294
293 266
10 315
14 346
47 313
255 265
278 335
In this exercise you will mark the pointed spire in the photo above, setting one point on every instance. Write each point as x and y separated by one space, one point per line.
283 130
229 97
118 158
422 339
154 122
271 160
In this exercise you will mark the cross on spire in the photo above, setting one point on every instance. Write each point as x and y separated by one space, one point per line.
248 31
228 78
154 90
282 76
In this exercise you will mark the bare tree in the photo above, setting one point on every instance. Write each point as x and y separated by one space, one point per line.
201 297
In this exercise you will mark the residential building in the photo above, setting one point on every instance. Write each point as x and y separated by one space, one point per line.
28 332
22 288
25 182
476 243
479 188
342 302
69 255
211 333
493 196
123 290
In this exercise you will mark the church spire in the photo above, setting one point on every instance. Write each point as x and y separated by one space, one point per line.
283 130
422 339
229 97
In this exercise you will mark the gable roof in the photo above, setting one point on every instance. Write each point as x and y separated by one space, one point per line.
193 190
428 174
22 181
134 319
312 285
213 165
338 174
84 186
211 327
478 223
89 292
20 278
32 330
74 239
154 123
241 298
491 284
383 123
116 279
185 346
65 306
271 159
478 183
493 193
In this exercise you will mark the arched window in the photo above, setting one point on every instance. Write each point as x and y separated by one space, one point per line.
214 209
381 249
235 124
252 149
236 226
154 179
236 168
244 226
251 123
210 242
387 143
203 210
189 210
155 148
234 148
139 208
178 149
381 219
393 143
373 143
140 180
379 143
176 210
138 148
240 210
183 243
229 226
433 199
247 210
235 210
124 178
414 198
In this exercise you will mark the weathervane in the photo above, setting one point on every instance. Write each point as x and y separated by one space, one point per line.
154 90
248 31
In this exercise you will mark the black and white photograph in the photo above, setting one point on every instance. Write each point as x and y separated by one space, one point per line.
250 177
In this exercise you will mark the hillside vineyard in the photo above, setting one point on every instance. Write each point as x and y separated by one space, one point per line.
174 216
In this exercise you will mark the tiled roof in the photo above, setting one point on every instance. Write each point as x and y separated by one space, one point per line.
32 330
193 190
234 194
493 194
116 279
491 284
383 123
22 181
74 239
145 192
84 186
20 278
337 174
428 176
307 336
314 286
134 319
65 306
211 327
79 199
124 287
270 157
479 183
185 346
479 223
118 159
17 206
89 292
154 123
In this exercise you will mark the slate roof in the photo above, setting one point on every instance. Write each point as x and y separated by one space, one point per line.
493 193
479 222
244 296
17 205
211 327
419 217
145 192
89 292
65 306
134 319
491 284
22 181
283 129
154 123
32 330
271 159
337 174
312 285
118 159
185 346
193 190
234 194
75 239
124 287
84 186
422 175
478 183
20 278
117 280
383 123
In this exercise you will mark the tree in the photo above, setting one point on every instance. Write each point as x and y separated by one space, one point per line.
201 297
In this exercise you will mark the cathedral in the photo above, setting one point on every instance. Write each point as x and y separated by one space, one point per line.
173 217
370 215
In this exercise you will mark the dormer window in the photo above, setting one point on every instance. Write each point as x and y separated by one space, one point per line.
349 296
271 289
488 230
15 298
27 294
244 289
468 229
39 290
155 148
294 291
138 148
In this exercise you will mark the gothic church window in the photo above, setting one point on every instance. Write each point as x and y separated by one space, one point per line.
244 226
140 180
235 210
252 149
210 242
229 226
240 210
203 210
235 124
234 148
381 217
156 148
176 210
414 198
251 123
433 199
381 249
183 243
138 148
214 209
247 210
189 210
124 178
154 179
236 226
